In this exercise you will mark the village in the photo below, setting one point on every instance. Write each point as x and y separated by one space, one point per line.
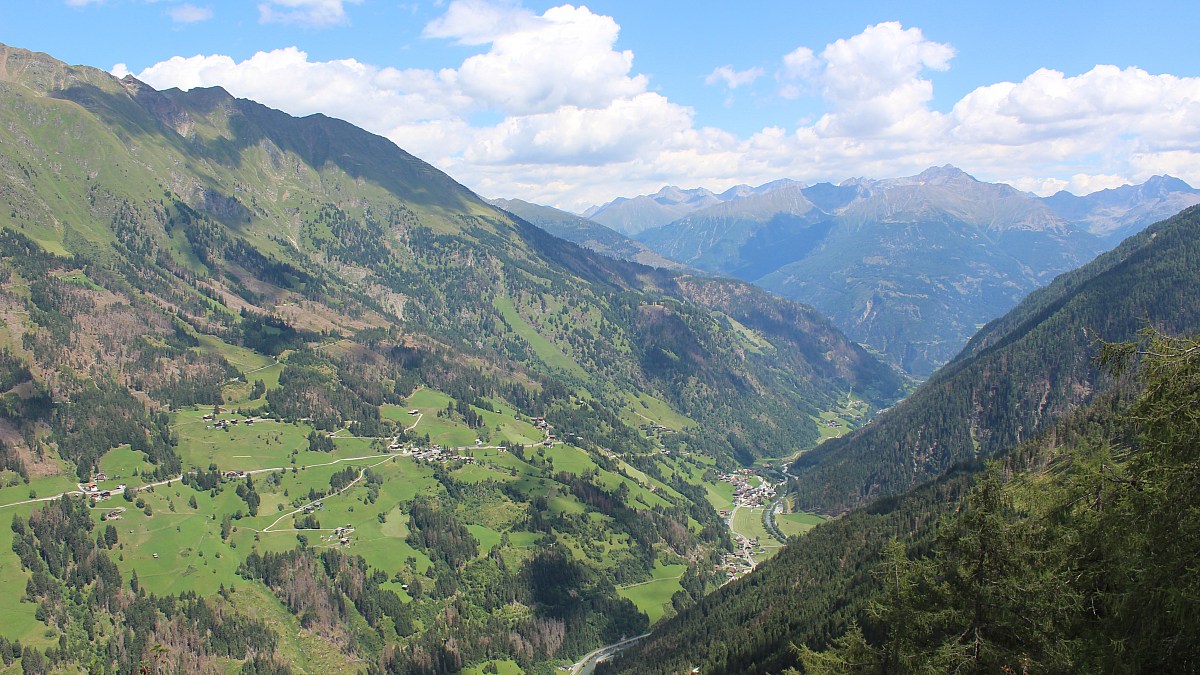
749 491
745 492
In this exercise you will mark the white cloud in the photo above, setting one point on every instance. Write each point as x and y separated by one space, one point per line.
83 3
799 63
318 13
189 13
578 125
733 78
873 82
583 136
477 22
563 58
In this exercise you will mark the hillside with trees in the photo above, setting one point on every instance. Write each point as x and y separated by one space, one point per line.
279 382
1020 555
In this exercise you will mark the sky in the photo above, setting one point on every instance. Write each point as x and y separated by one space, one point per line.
574 104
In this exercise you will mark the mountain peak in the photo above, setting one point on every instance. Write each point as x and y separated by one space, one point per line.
938 175
671 195
1163 184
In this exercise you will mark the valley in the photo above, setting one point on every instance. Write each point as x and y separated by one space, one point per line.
277 396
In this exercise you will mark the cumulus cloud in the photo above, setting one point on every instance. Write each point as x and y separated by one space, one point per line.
731 78
477 22
317 13
799 63
189 13
873 81
374 98
578 125
564 58
583 136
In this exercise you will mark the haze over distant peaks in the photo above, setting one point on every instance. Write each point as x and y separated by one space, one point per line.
910 266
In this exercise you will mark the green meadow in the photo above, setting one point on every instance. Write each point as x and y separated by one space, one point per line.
192 555
792 524
654 597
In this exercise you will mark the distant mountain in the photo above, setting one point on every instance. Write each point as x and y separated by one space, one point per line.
1025 389
587 233
913 266
631 215
909 266
1117 213
747 236
1018 374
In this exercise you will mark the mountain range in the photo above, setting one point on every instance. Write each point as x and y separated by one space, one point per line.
910 267
932 535
336 408
587 233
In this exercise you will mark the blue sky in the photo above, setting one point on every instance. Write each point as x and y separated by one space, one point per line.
574 104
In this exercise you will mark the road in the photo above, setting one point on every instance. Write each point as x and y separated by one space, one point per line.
361 473
588 663
744 540
80 492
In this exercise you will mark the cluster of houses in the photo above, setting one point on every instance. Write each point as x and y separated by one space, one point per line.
96 493
547 428
439 455
735 565
223 423
313 507
747 494
341 535
233 474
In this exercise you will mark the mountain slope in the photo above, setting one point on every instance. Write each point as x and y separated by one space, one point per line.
257 326
587 233
1027 379
910 266
381 230
1019 373
631 216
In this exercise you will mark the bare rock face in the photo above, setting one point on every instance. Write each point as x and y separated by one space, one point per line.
171 114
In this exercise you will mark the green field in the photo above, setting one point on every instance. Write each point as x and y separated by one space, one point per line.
40 487
653 597
748 522
122 463
19 622
797 523
502 668
442 430
192 556
265 444
642 408
720 495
